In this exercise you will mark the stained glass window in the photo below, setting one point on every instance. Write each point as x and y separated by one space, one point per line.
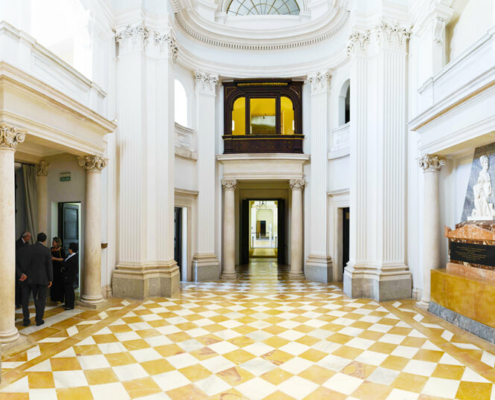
263 7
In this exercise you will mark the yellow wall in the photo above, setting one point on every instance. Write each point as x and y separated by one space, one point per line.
287 115
239 116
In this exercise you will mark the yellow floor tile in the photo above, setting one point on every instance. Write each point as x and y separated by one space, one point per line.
187 392
474 390
119 359
141 387
78 393
322 393
41 380
235 376
157 367
195 373
410 382
276 376
317 374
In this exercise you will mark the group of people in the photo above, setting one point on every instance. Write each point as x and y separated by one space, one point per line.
39 269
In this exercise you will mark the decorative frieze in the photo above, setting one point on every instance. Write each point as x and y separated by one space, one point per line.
320 82
297 184
140 34
206 81
10 137
42 168
229 184
431 163
92 163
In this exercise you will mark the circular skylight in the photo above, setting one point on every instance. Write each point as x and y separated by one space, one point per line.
263 7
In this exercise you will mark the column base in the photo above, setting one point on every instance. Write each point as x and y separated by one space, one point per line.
144 281
205 268
380 284
11 340
229 276
92 304
319 269
299 276
423 304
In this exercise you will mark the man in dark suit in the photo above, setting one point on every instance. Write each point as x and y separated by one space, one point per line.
20 246
36 272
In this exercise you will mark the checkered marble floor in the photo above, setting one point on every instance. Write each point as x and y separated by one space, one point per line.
261 337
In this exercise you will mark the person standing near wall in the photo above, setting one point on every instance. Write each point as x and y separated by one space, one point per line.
69 272
58 257
20 245
37 275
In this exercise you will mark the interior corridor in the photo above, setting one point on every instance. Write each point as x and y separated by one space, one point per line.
259 337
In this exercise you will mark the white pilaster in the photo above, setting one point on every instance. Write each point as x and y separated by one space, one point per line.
205 261
319 263
9 139
91 295
296 237
431 166
383 274
228 270
42 174
145 140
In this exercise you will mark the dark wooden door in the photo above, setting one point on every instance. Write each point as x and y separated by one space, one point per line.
245 235
68 224
282 246
345 236
178 238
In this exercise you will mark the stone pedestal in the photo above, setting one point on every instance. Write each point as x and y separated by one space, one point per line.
229 273
9 139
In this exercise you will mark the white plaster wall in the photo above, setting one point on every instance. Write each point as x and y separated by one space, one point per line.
185 174
339 174
476 19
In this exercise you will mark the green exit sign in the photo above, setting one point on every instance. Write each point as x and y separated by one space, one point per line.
65 177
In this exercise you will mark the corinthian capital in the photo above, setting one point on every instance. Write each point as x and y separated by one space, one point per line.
358 42
205 81
392 36
92 163
167 40
134 34
229 184
42 168
320 82
10 137
431 163
297 184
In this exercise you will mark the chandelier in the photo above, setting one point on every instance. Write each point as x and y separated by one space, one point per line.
261 205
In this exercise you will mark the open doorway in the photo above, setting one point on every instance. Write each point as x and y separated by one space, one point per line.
345 237
263 230
69 228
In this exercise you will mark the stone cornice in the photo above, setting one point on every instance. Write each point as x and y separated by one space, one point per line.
213 34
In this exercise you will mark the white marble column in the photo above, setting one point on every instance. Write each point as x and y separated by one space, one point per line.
228 271
431 166
146 163
42 174
319 263
9 139
296 229
91 274
383 273
205 262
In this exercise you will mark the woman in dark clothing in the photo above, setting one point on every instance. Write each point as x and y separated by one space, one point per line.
70 270
58 257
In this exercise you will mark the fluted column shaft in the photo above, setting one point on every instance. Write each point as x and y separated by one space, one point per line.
431 166
228 272
42 174
296 237
91 285
319 262
9 139
205 262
